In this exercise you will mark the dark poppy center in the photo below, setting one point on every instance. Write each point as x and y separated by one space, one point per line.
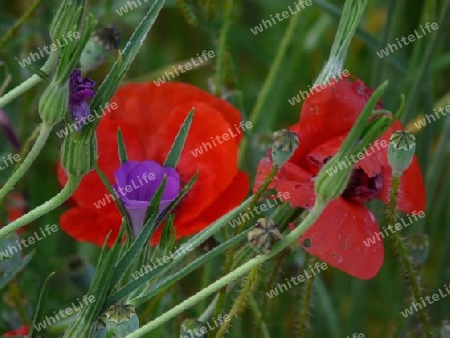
362 188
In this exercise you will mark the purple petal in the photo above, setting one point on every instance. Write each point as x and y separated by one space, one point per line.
136 185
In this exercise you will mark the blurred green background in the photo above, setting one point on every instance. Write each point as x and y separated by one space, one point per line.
341 305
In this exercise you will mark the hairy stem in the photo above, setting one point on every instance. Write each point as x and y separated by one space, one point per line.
404 255
232 276
56 201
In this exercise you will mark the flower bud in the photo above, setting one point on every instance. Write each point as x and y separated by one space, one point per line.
402 146
99 46
285 142
78 154
418 246
54 103
264 235
328 187
192 328
121 319
66 18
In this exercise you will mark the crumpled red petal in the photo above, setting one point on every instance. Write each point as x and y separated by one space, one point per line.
338 236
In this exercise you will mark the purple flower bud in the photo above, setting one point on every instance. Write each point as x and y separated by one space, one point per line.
80 91
137 183
8 129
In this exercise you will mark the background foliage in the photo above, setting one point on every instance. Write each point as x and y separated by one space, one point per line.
341 305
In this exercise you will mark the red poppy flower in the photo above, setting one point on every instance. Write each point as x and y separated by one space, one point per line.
150 117
338 236
21 331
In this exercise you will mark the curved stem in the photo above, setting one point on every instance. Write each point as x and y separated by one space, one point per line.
56 201
47 68
45 130
232 276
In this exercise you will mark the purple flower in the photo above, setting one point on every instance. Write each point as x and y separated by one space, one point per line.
8 129
80 91
136 184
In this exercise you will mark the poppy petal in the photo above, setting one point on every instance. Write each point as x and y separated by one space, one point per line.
338 238
138 102
90 226
229 199
330 112
216 161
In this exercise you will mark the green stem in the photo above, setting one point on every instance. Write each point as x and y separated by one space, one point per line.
23 168
260 323
404 254
56 201
230 254
378 69
221 49
306 301
47 68
9 34
239 304
232 276
269 82
425 62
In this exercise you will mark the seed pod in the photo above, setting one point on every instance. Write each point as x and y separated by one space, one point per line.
99 46
402 146
121 319
264 235
285 142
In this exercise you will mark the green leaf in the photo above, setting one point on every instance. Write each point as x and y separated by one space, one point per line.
14 270
39 314
122 149
116 200
101 287
123 63
168 235
178 144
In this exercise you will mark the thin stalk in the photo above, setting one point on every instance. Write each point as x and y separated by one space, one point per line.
269 82
222 47
230 254
53 203
425 62
47 68
232 276
380 65
249 284
404 255
9 34
44 133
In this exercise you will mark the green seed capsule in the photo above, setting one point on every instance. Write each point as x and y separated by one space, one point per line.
285 142
121 319
402 146
264 235
99 47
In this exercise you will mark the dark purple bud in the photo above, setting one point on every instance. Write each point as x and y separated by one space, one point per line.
80 90
8 129
137 183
